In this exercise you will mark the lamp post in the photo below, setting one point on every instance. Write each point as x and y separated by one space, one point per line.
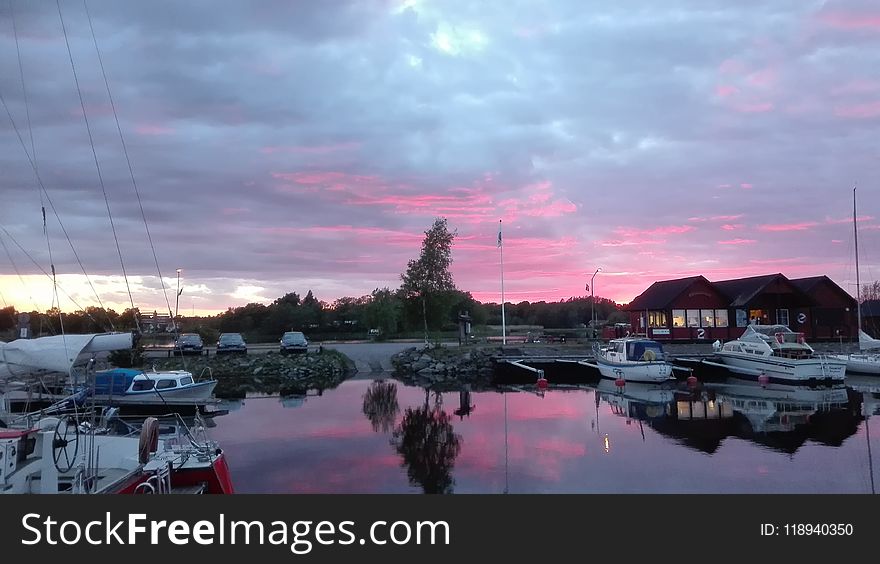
593 304
177 302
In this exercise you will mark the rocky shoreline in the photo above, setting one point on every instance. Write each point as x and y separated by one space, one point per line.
270 373
439 368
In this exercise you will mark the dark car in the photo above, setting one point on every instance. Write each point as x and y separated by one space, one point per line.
294 342
189 343
231 343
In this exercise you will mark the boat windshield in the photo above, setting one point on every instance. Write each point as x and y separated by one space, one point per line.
644 350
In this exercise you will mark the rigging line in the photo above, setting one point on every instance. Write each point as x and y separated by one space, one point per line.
54 210
94 153
127 159
28 255
20 278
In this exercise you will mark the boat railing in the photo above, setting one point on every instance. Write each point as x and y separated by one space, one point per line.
202 374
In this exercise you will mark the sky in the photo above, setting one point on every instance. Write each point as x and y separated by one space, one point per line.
296 146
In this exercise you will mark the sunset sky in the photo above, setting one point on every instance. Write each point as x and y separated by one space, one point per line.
296 146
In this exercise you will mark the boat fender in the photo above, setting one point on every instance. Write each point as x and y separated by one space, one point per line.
149 441
649 355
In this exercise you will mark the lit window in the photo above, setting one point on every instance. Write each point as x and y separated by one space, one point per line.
678 319
693 318
707 318
721 318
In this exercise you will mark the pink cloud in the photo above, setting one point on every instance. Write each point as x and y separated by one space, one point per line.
726 217
153 129
731 226
859 111
858 86
787 226
309 150
630 243
538 202
745 186
725 90
664 230
731 66
850 21
754 107
737 242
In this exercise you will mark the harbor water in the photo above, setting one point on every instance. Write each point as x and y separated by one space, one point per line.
378 436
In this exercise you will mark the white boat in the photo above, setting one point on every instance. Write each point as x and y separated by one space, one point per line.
633 359
781 355
131 386
862 362
64 456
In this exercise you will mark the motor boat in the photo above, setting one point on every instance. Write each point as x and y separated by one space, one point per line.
633 359
131 386
778 354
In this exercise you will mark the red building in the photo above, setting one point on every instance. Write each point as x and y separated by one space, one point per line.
695 309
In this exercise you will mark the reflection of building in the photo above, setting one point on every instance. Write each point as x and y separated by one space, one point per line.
696 309
777 416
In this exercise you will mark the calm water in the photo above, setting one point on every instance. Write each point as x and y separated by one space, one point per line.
381 436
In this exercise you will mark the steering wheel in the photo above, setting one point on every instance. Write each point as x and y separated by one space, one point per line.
63 440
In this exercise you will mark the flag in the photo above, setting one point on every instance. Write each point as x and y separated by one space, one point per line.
499 233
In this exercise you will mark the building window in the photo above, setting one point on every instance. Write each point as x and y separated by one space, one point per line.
782 317
741 318
657 319
678 319
759 317
721 318
707 318
693 318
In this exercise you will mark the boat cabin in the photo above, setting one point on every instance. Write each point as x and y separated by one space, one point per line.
126 380
634 350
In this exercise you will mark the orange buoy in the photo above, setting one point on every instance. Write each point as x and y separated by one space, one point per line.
620 382
542 383
692 381
763 379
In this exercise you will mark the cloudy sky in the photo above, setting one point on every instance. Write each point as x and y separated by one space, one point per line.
288 146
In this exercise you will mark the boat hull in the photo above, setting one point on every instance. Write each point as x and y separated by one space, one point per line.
784 370
862 363
199 392
635 371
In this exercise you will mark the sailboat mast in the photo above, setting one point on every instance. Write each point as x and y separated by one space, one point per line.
858 280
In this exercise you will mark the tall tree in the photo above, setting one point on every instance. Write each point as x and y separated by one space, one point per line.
871 290
429 276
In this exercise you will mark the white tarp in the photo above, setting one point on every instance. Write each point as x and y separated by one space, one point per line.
58 353
868 343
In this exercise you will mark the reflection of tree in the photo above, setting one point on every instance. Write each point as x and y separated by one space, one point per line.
380 405
429 446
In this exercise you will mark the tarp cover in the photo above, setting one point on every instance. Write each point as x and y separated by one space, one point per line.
867 342
58 353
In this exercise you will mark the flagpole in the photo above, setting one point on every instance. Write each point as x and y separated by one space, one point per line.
503 321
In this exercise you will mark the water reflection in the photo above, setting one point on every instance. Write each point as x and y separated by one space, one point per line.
380 405
427 442
384 436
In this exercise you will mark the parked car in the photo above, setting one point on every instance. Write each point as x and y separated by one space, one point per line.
294 342
189 343
231 343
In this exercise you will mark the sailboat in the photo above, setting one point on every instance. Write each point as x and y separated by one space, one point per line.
863 362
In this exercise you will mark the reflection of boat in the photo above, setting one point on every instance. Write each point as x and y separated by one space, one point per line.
779 353
779 407
293 401
634 359
636 399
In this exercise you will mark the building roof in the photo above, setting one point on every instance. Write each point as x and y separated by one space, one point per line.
660 295
741 291
807 284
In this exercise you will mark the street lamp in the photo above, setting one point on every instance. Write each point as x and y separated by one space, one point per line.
592 304
177 302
